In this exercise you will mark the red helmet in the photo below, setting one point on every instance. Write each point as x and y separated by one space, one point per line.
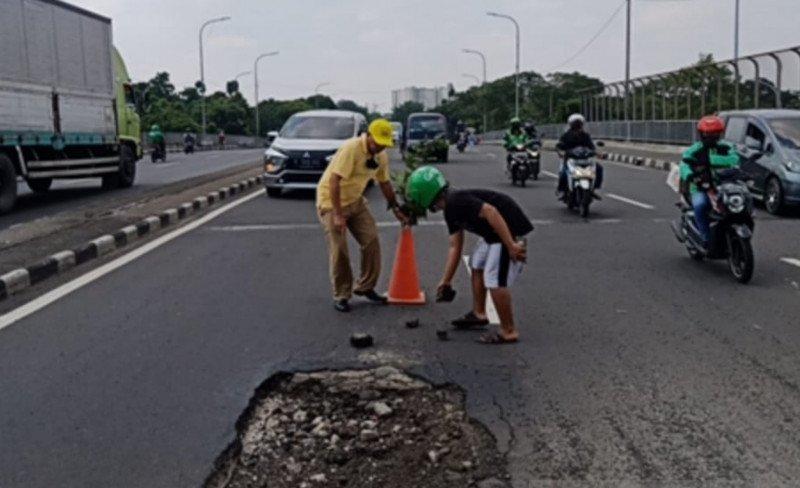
711 125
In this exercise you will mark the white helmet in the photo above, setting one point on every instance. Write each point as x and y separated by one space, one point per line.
576 118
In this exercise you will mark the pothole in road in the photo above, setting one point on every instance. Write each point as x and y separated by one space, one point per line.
358 428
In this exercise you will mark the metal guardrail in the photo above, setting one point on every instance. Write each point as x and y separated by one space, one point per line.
176 139
680 132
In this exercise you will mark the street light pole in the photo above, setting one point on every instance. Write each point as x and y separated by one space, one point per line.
316 92
255 80
473 77
483 60
243 73
203 73
516 70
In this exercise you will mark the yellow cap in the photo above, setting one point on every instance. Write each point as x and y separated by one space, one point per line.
381 131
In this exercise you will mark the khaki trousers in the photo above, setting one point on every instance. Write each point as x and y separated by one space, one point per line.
362 225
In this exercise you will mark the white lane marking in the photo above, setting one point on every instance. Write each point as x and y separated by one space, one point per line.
792 261
630 201
491 311
547 173
83 280
306 225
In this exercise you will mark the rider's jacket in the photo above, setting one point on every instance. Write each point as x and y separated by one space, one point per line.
511 140
718 157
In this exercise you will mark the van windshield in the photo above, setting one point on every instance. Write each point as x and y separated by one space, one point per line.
305 127
426 127
787 132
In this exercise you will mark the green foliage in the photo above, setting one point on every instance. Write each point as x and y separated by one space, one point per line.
400 182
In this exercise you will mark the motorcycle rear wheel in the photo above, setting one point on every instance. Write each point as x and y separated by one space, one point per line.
740 258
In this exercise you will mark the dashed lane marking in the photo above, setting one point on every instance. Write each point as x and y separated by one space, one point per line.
549 174
792 261
491 311
630 201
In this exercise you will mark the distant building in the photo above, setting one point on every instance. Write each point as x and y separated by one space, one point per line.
428 97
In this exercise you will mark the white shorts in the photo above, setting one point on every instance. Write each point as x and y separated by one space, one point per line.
499 271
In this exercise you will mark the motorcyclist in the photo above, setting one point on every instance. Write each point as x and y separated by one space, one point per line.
574 137
514 137
188 137
157 138
530 130
700 163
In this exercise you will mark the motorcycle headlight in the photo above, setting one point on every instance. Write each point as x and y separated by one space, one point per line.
534 154
736 203
274 160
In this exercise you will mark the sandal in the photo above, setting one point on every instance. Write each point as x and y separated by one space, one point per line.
469 321
494 339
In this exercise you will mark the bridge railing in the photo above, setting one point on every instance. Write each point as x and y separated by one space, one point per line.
679 132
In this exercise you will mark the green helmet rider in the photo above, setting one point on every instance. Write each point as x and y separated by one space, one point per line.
424 186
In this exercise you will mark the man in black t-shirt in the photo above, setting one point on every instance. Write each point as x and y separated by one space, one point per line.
499 256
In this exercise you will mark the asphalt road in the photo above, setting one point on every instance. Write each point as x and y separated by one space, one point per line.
636 365
67 194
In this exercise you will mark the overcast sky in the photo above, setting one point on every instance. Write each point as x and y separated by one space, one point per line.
365 48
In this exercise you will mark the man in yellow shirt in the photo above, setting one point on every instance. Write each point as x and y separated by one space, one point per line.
341 206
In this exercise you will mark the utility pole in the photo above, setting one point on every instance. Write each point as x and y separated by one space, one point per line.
627 71
736 50
203 74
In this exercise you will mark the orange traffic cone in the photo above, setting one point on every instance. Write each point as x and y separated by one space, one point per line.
404 287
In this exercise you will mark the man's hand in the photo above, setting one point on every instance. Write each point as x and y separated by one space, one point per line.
339 222
404 219
445 292
517 252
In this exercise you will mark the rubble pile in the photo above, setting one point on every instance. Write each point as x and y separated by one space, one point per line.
358 428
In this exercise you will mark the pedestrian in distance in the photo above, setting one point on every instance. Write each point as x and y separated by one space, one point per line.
499 256
341 206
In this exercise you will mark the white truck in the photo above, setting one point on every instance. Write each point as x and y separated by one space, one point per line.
66 102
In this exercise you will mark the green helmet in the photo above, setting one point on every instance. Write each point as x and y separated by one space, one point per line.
424 185
515 121
155 128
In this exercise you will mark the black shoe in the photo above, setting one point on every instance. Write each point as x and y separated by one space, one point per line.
341 305
372 296
469 321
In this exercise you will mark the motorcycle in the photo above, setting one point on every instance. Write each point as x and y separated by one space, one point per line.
581 177
188 147
731 220
520 165
461 144
157 153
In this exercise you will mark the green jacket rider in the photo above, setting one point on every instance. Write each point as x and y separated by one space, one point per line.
709 155
515 136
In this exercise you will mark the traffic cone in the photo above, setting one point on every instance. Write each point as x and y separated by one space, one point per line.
404 287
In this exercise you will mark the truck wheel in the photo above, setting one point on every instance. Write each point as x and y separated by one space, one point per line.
40 185
8 184
126 175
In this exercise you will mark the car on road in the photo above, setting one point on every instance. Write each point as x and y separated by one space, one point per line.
427 129
305 145
775 134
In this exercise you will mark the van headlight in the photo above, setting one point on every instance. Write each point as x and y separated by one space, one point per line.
274 160
792 165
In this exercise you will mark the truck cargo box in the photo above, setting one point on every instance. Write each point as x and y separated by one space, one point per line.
56 72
